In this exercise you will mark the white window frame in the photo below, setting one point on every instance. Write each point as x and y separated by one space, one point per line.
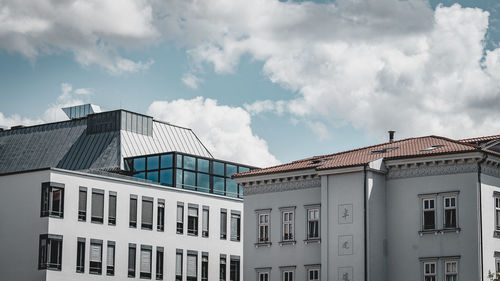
266 225
310 269
454 207
450 273
287 275
261 274
497 213
430 274
424 209
308 220
288 224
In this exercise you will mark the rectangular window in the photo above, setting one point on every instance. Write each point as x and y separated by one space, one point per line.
288 227
110 259
429 271
50 252
192 266
287 275
161 215
180 218
235 226
223 224
147 213
450 212
497 265
313 274
263 276
112 208
159 263
97 214
133 211
178 265
429 214
52 200
451 271
234 269
313 223
192 220
204 267
145 268
263 228
222 268
131 260
497 213
82 204
205 222
80 255
95 256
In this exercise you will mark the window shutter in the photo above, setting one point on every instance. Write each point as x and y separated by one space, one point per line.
147 212
192 212
82 201
178 264
112 206
95 252
131 258
146 261
191 266
205 220
111 256
180 212
97 205
133 209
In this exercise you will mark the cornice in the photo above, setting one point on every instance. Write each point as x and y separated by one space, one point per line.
435 168
283 185
491 168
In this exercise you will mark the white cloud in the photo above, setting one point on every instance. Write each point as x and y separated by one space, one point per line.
191 80
261 106
225 130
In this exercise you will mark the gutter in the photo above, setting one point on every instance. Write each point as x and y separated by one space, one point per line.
366 219
480 206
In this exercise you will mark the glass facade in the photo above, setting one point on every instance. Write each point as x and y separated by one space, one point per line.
188 172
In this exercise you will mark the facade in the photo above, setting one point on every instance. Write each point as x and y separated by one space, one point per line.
76 204
415 209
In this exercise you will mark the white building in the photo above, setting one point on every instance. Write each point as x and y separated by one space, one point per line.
423 208
116 196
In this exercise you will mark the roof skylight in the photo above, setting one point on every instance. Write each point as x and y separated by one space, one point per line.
384 150
432 147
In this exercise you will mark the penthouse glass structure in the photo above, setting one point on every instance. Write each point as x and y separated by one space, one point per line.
188 171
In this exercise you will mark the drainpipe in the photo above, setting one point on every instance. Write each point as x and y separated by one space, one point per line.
485 156
366 220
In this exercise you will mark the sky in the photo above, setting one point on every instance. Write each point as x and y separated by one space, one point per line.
260 82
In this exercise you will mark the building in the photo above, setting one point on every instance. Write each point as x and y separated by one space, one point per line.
425 208
116 195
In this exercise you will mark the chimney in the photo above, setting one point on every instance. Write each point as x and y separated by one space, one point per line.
391 135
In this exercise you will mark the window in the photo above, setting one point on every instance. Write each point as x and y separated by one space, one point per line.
205 222
159 263
112 208
429 271
497 213
145 268
133 211
497 265
263 276
82 204
287 275
147 213
180 218
178 265
288 228
95 256
52 200
451 271
80 255
161 215
97 214
192 220
234 269
131 260
429 214
450 212
50 252
313 274
204 266
110 259
263 228
222 268
235 226
192 266
313 223
223 223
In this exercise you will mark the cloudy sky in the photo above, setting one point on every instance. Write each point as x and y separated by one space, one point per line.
262 81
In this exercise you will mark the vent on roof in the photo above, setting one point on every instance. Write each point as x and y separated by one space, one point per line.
316 161
432 147
385 150
17 127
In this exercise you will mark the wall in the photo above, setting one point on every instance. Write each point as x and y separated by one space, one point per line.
490 241
377 239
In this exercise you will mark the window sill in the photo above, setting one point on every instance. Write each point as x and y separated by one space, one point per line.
439 231
192 234
313 241
291 242
263 244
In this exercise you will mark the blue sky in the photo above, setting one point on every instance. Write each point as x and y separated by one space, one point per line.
283 92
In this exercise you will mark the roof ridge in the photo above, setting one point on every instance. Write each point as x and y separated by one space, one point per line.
456 141
483 137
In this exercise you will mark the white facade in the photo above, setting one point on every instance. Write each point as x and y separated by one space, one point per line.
22 225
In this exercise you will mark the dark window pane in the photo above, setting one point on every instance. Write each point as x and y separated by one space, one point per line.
218 168
166 161
240 191
153 176
203 182
112 210
203 165
141 175
231 170
218 185
139 164
450 219
179 161
166 177
231 188
178 178
189 163
133 212
429 220
243 169
153 162
189 180
97 214
147 214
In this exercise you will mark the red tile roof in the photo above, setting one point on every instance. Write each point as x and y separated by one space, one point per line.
480 139
406 148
